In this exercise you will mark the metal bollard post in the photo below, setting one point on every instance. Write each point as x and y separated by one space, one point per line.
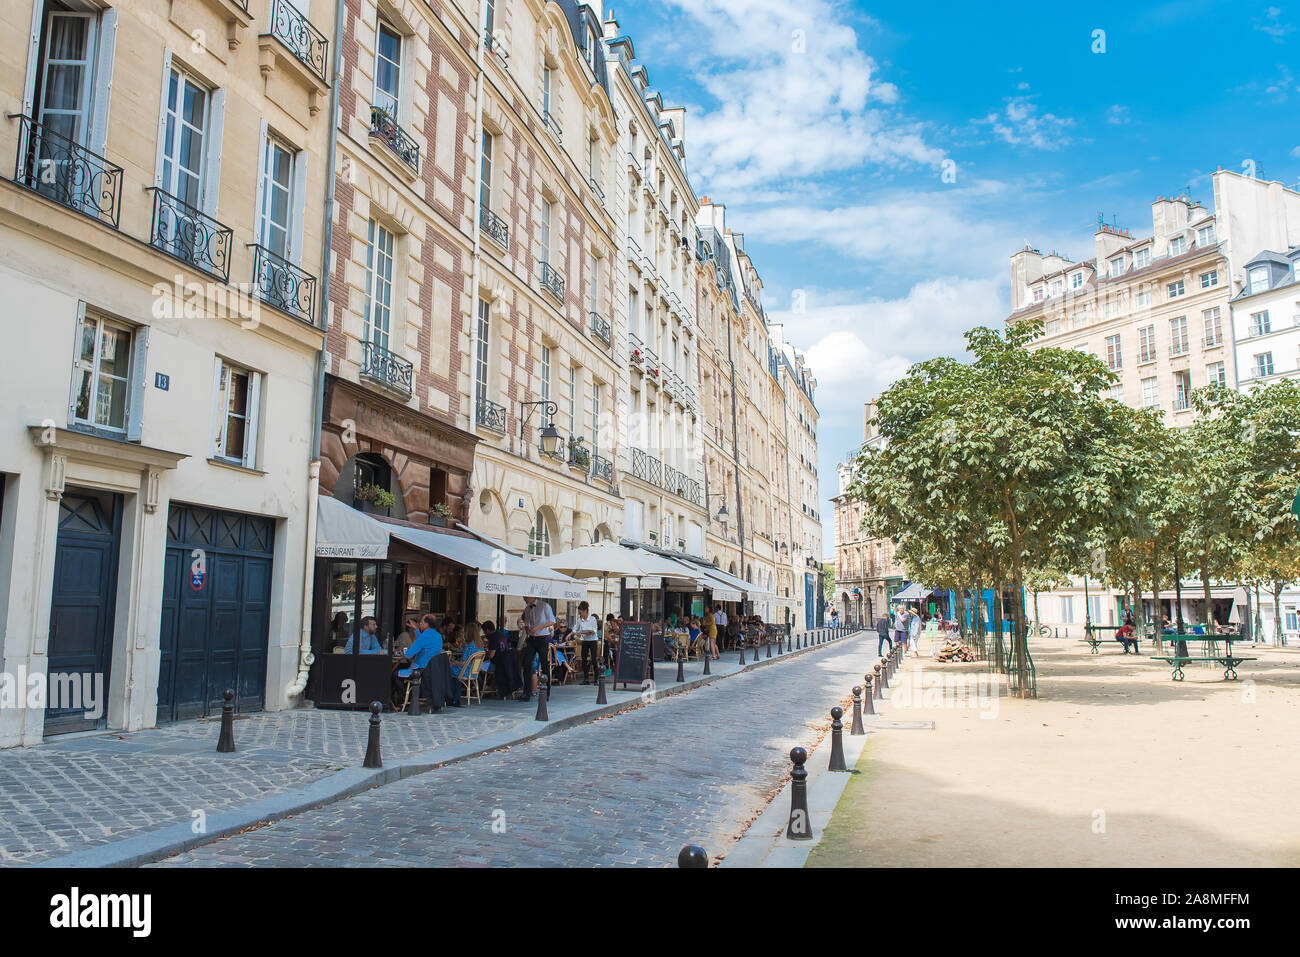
708 656
870 707
226 739
692 855
800 825
755 650
413 703
857 712
373 758
742 650
681 675
542 695
837 741
878 669
600 686
769 648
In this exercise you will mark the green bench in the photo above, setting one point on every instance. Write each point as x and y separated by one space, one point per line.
1094 640
1228 659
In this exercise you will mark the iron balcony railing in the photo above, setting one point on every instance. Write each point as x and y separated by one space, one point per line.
633 165
633 248
303 40
384 126
491 415
672 479
668 381
693 492
281 284
654 473
595 188
635 349
600 328
1209 342
552 281
602 469
387 367
190 235
496 227
640 466
552 124
62 170
494 45
579 455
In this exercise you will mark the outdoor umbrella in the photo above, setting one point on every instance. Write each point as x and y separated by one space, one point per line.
598 560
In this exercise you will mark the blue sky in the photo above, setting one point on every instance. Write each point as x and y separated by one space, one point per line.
826 127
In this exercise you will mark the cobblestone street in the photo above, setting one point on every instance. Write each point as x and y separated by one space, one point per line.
625 790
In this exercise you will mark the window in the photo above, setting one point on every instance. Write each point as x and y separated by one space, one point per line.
573 399
103 375
1114 357
547 75
1258 280
1176 289
544 234
1178 336
1216 373
1115 392
388 70
1076 280
1142 257
186 118
277 206
481 352
1205 236
539 537
593 159
1260 324
1213 326
1182 391
595 417
1116 266
236 413
593 282
546 373
1291 618
593 45
1147 344
1057 287
379 285
489 15
485 188
1052 327
1177 245
1038 294
1150 392
63 96
1144 299
1209 279
1067 609
1263 364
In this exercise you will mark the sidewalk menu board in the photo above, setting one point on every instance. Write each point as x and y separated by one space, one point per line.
630 667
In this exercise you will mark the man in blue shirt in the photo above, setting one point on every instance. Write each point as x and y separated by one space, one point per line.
427 644
370 643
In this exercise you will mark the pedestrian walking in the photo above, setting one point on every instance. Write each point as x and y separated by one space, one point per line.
914 633
882 630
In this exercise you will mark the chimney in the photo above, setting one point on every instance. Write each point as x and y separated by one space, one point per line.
611 25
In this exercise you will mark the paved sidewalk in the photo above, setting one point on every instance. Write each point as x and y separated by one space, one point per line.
116 798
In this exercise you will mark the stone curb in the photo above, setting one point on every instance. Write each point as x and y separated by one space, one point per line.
341 785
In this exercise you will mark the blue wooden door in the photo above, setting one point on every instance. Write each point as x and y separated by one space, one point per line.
82 609
215 611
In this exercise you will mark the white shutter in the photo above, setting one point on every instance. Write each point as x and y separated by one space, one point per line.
254 416
76 360
212 161
298 215
259 226
103 86
162 117
139 376
33 60
218 413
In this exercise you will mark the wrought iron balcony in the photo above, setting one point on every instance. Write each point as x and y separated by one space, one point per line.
672 479
633 165
281 284
595 188
579 455
303 40
635 349
190 235
693 492
494 45
552 281
496 227
387 367
640 464
654 473
600 328
62 170
384 126
491 416
602 469
553 125
668 381
633 248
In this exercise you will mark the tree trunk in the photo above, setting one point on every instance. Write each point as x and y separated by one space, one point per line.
1157 620
1209 601
1279 636
998 658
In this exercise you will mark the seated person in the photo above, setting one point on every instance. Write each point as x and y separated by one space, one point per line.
1126 637
370 643
562 666
408 635
501 661
460 667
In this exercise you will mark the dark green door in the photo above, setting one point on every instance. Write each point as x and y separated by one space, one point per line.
82 609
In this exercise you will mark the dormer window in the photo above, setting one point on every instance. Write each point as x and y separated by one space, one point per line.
1116 266
1057 287
1258 280
1177 245
1039 294
1076 280
1205 236
1142 257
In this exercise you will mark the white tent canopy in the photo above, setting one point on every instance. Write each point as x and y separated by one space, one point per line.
499 572
913 592
599 560
344 532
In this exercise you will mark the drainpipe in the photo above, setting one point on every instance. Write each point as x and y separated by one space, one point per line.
305 656
477 270
735 458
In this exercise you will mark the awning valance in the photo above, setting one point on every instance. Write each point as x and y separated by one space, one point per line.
344 532
499 572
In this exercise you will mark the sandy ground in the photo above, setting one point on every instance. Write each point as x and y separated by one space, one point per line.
1114 765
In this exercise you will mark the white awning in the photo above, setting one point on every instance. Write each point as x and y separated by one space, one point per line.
499 572
729 587
344 532
913 592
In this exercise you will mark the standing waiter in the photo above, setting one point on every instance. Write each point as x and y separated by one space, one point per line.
539 622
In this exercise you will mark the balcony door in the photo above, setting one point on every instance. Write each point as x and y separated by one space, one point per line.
62 108
184 150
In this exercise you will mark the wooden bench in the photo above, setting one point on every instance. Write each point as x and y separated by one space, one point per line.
1229 662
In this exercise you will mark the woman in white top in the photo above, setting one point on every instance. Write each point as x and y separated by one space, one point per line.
588 631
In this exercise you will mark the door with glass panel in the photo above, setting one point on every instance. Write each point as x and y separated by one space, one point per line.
273 231
379 302
181 230
388 71
62 99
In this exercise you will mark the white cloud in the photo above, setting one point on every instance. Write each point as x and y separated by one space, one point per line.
1118 116
1020 124
1272 25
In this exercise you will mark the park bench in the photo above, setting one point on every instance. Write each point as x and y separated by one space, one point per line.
1093 638
1180 657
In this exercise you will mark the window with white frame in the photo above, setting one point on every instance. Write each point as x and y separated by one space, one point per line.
1216 373
548 80
388 70
1116 392
236 413
572 388
481 351
546 374
485 166
1056 288
1260 324
1146 344
1205 236
1039 294
1258 280
1182 391
593 282
1177 245
1116 266
184 154
277 209
1076 280
1067 609
1052 327
1176 289
1212 324
1142 257
379 285
1209 279
1144 298
1263 364
1114 357
539 537
1079 318
544 233
1150 392
1178 336
595 417
104 375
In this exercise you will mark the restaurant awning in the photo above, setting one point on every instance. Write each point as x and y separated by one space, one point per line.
677 572
913 592
344 532
729 587
499 572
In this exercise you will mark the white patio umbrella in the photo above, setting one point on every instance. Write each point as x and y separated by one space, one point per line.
598 560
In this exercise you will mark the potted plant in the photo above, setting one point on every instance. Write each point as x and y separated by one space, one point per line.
376 496
439 514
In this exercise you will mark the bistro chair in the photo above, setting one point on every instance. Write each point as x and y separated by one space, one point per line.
470 678
402 695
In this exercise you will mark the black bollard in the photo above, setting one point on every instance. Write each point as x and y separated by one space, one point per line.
708 656
226 740
681 675
857 712
769 648
600 688
373 759
837 741
692 855
755 650
413 704
870 705
542 714
800 826
742 652
878 669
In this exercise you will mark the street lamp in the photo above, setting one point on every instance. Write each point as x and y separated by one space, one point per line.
550 435
722 510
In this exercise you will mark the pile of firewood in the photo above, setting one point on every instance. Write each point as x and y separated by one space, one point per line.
953 650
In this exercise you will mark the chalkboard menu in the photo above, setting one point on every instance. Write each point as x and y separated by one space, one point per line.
633 654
